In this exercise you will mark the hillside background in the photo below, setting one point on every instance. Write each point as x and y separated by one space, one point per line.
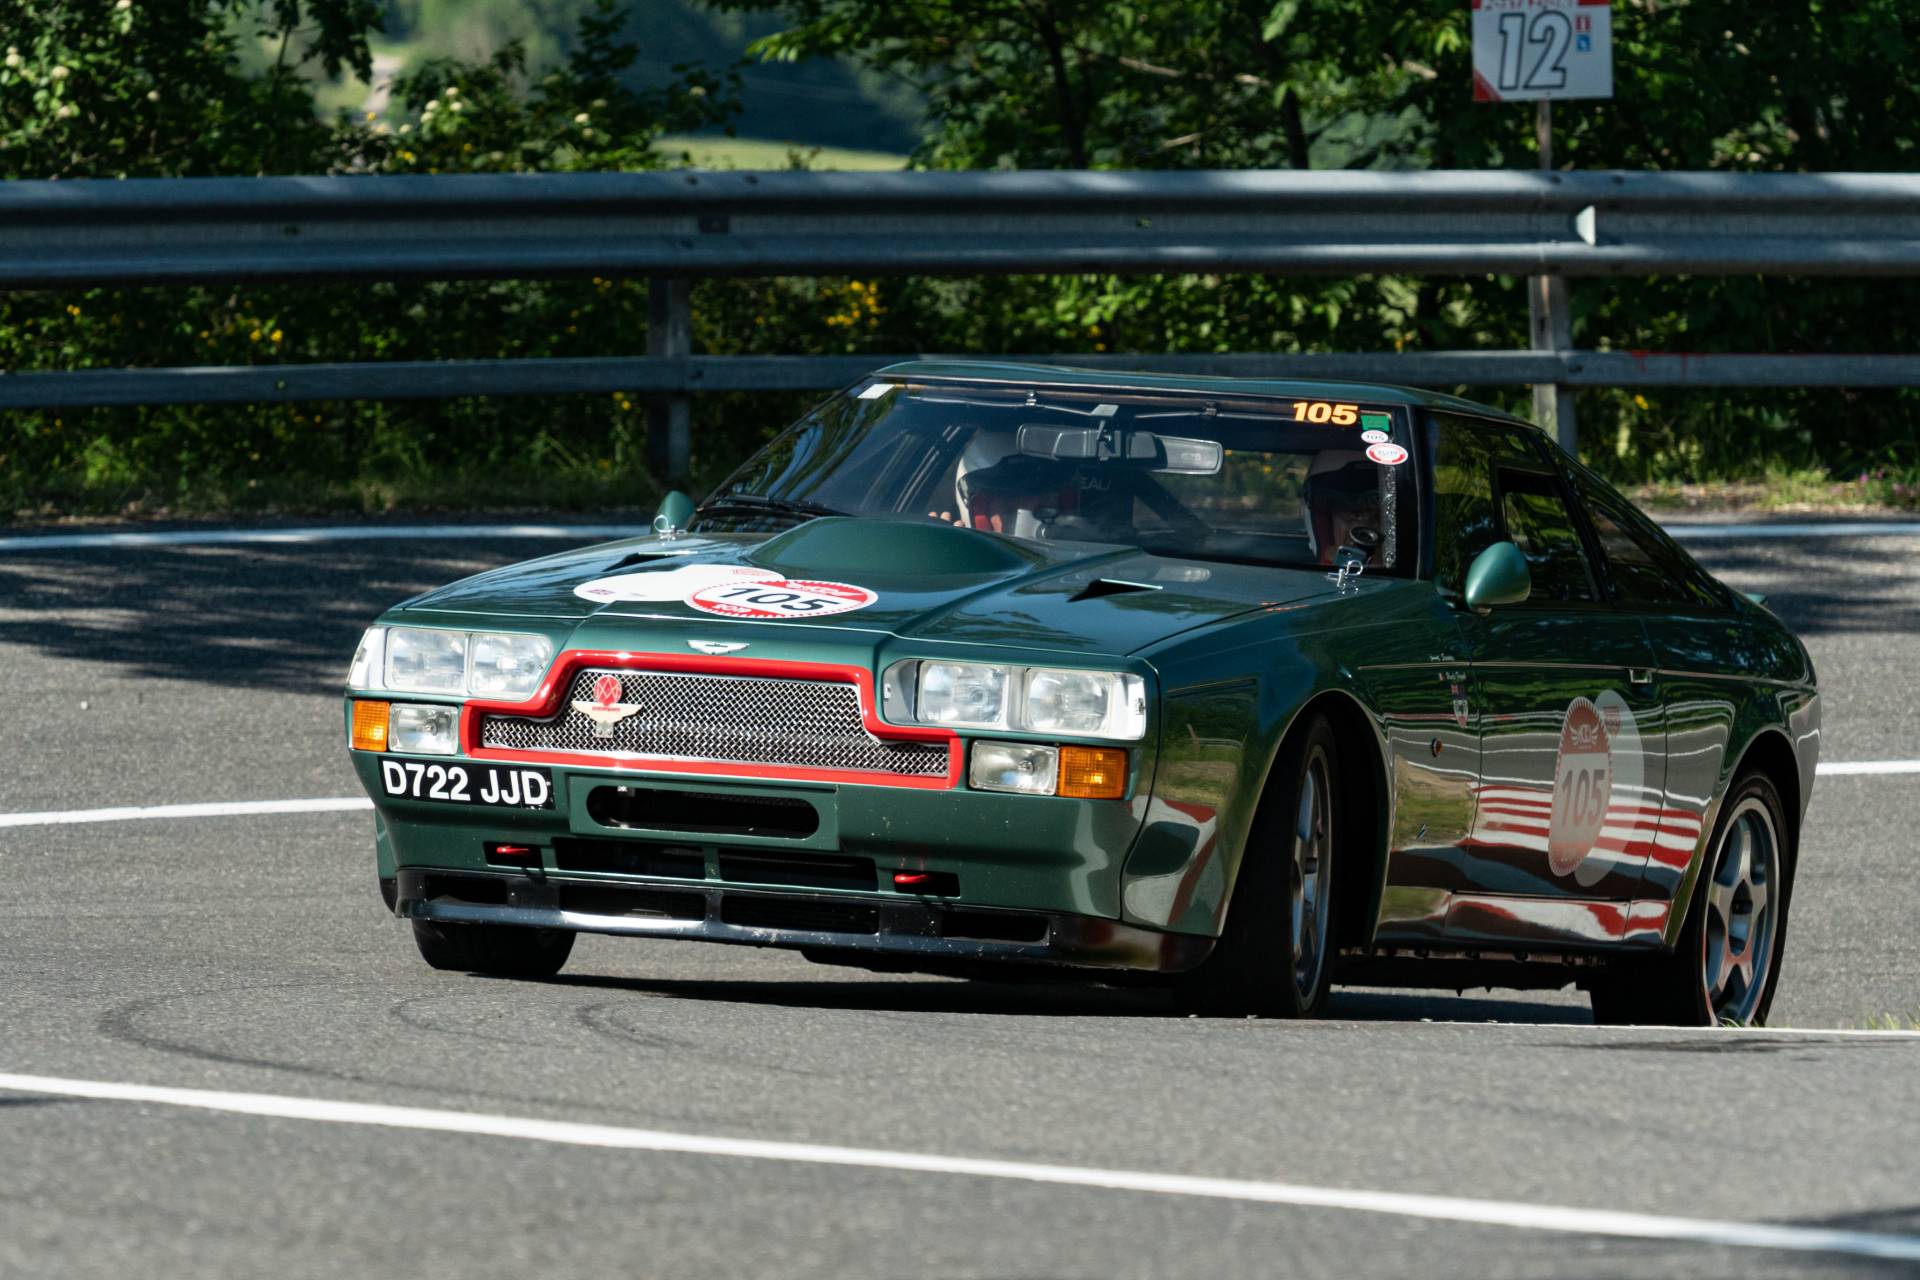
850 117
106 89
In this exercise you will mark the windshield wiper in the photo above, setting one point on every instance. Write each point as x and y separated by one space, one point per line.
760 504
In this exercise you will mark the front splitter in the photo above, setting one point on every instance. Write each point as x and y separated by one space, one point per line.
933 931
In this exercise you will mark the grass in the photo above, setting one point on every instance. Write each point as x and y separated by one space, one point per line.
1786 490
1892 1022
765 153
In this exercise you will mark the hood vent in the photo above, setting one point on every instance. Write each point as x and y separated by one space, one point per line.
1110 587
633 558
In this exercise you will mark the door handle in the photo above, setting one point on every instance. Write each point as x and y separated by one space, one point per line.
1641 676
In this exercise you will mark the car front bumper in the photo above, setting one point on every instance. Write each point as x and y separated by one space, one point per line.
915 932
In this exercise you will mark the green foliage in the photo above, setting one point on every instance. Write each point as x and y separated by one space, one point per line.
464 117
120 87
820 102
1711 84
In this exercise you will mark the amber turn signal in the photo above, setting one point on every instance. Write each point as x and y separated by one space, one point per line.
370 726
1093 773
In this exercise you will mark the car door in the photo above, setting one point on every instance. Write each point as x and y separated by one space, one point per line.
1692 628
1570 758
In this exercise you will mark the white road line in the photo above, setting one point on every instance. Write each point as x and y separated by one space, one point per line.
450 532
339 533
231 809
1627 1034
1500 1213
1806 529
1868 766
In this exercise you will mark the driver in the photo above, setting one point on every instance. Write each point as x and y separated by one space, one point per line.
1001 490
1341 497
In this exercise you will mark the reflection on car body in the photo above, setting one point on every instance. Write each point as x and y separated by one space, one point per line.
1253 687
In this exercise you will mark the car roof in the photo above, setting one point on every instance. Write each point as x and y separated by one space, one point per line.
1119 379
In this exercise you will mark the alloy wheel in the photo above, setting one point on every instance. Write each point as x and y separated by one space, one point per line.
1742 914
1311 874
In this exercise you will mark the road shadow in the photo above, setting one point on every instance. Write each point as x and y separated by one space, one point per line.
278 616
286 616
1824 586
1042 998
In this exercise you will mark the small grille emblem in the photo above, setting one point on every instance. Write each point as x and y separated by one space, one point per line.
606 710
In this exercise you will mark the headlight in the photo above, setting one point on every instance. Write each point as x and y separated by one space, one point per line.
424 728
421 661
963 695
368 660
1014 766
1049 700
428 660
1092 704
508 664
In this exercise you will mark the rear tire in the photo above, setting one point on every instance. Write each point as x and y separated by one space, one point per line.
1275 955
498 950
1727 964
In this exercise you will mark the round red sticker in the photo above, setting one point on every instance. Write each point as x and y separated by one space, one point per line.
1582 787
1387 455
786 598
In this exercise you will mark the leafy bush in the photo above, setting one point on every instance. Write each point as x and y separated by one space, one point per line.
110 88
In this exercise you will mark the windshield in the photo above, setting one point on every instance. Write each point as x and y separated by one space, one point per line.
1268 481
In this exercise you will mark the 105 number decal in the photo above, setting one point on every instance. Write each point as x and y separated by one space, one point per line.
1340 415
782 598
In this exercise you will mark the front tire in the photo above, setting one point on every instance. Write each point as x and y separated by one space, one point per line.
498 950
1727 965
1275 955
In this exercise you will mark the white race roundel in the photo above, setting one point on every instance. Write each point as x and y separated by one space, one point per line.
1387 455
787 599
1374 436
1582 787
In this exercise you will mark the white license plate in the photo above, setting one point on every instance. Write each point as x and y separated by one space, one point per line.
503 786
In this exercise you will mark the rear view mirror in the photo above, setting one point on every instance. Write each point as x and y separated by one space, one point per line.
1047 441
1177 454
673 513
1498 576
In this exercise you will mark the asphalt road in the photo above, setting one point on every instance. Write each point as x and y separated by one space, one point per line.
251 954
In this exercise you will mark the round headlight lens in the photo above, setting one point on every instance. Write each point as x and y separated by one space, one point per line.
965 694
420 660
508 664
1096 704
1068 701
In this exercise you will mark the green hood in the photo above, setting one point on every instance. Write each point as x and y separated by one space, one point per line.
931 582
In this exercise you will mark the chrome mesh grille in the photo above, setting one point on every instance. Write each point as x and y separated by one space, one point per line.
727 719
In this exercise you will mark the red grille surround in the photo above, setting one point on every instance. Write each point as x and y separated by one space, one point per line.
547 699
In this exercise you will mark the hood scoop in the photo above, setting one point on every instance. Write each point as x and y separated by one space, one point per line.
833 547
1101 587
643 558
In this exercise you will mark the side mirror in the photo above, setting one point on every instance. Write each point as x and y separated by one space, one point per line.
673 513
1498 575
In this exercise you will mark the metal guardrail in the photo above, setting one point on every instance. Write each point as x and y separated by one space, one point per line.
699 223
441 379
673 227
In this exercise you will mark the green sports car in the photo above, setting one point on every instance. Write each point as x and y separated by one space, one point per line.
1240 687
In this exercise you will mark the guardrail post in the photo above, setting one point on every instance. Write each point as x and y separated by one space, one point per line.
670 415
1549 325
1552 330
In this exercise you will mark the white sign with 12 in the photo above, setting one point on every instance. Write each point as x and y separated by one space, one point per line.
1534 49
